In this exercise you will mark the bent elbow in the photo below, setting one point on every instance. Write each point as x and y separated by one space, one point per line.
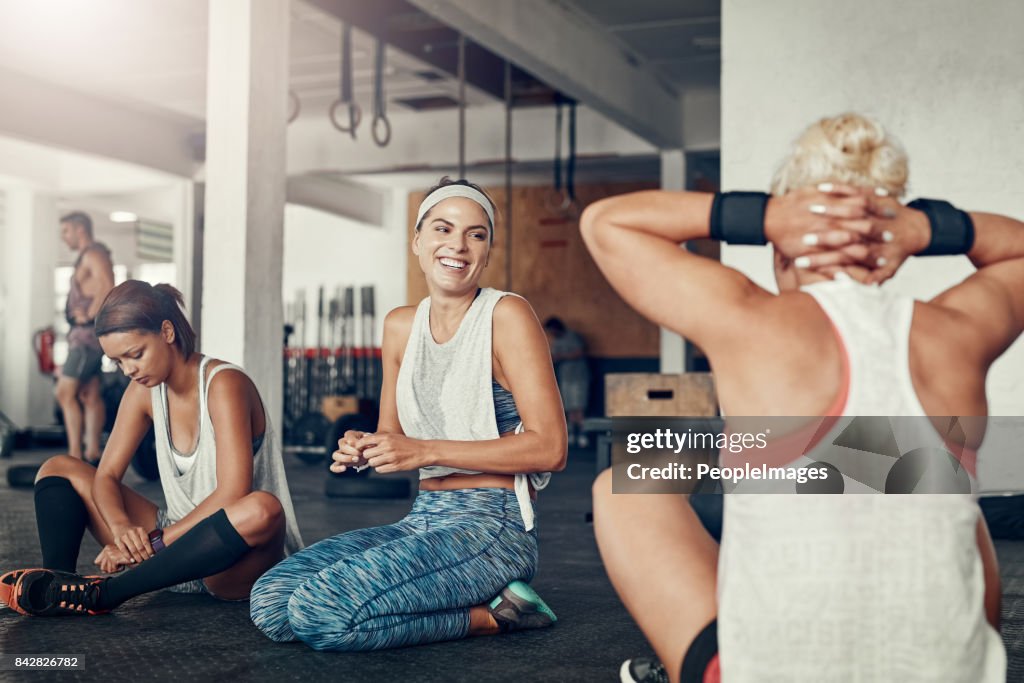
558 458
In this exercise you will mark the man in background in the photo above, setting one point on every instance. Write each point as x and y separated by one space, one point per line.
91 280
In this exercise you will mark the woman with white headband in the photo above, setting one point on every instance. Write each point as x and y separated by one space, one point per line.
470 400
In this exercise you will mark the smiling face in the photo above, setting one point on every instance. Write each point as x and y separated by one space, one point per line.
144 357
453 245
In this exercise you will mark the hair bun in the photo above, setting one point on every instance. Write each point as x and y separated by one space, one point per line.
854 136
848 148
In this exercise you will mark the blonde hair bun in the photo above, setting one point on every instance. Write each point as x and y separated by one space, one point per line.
848 148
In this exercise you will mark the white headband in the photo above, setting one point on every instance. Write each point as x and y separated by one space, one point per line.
449 191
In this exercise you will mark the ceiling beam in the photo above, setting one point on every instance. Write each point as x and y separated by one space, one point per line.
54 115
577 59
338 196
407 28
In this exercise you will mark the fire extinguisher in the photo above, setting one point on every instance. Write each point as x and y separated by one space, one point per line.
43 340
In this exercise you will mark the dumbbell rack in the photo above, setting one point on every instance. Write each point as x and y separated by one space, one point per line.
337 367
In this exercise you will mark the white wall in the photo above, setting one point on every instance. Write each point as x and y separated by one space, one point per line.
324 249
28 252
170 202
702 119
944 75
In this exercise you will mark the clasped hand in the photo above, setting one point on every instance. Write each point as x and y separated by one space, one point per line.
130 547
382 451
835 228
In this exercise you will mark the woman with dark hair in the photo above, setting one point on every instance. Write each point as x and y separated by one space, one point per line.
469 399
228 515
817 587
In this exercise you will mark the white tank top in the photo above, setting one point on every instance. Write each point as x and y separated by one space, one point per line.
857 587
444 391
184 490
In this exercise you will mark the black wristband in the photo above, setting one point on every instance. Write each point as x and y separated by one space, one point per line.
738 217
952 229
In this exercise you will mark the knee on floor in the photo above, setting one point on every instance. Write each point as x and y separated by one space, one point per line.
323 622
268 609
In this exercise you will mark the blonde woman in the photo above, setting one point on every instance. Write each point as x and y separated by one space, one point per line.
828 343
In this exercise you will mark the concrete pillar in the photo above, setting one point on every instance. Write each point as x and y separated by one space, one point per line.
29 247
247 88
673 177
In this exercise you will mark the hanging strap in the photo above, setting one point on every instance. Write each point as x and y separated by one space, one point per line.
381 128
570 163
355 114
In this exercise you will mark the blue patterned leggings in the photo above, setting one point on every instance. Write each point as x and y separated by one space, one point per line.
407 583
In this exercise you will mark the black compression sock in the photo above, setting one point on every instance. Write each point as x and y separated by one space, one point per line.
208 548
61 516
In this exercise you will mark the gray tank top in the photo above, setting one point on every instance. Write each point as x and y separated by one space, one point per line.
444 391
183 491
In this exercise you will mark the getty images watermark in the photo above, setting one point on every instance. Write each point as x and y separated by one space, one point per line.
665 440
811 454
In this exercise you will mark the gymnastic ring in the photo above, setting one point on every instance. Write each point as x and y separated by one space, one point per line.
355 115
381 140
294 106
556 200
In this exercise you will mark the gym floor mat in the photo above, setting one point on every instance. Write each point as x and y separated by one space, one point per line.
186 637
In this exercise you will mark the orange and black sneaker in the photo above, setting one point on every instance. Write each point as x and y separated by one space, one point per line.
7 582
52 593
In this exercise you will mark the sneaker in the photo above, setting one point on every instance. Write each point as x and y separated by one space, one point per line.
50 593
519 607
7 582
643 670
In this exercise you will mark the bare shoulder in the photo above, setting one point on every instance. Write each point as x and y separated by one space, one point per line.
989 304
229 384
398 325
941 327
512 312
138 399
397 328
399 320
97 258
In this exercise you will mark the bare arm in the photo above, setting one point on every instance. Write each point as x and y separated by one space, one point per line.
230 407
133 420
397 326
993 297
634 238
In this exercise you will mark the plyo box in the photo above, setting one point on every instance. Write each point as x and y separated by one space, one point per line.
645 394
334 407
